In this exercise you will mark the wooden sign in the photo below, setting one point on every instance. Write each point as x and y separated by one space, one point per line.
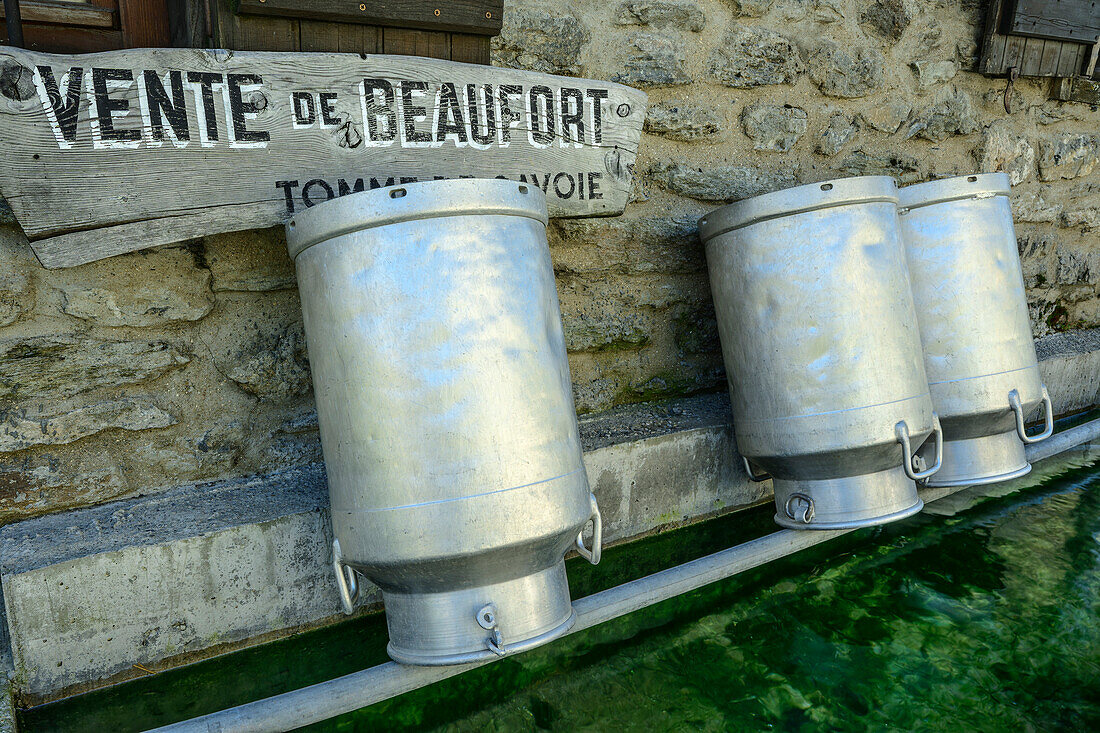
112 152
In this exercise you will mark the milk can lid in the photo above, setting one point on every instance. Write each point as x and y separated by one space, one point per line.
798 200
411 201
954 189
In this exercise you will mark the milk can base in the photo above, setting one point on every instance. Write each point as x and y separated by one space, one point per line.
988 459
450 627
849 502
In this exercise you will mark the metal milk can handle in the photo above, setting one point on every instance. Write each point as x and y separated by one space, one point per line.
902 432
347 580
1018 408
593 555
753 475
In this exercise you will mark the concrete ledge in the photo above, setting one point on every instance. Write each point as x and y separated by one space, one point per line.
201 569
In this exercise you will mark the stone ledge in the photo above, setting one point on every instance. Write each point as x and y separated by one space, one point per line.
201 569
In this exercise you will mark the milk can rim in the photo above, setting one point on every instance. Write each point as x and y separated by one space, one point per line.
978 185
798 200
409 202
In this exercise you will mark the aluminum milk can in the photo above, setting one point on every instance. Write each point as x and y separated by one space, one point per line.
978 351
446 412
821 346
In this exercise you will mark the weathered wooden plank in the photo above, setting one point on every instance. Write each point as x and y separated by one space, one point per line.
993 43
482 17
1077 21
188 22
107 153
469 48
144 23
1033 54
1071 59
1079 89
49 37
66 13
319 35
407 42
1014 51
1048 64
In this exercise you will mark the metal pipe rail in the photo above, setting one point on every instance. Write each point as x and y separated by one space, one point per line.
357 690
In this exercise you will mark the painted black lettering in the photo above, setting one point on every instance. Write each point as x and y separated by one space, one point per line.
509 117
316 182
328 110
106 107
64 109
375 184
476 106
557 186
161 107
243 111
540 102
572 115
375 109
305 114
344 189
597 113
205 81
544 184
288 191
412 112
448 118
594 186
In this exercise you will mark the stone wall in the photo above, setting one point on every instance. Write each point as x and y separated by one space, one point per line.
187 363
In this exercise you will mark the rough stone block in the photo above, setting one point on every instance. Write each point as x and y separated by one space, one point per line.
752 57
1001 150
840 74
653 60
66 365
722 182
254 260
1035 206
16 286
1068 155
953 114
147 288
930 73
24 428
646 244
888 19
902 166
836 134
773 127
684 122
750 8
887 117
536 40
678 14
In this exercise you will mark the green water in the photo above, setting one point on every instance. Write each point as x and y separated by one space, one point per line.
985 620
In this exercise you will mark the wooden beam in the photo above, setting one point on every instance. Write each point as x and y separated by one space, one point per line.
112 152
482 17
67 39
1078 89
65 14
144 23
1077 21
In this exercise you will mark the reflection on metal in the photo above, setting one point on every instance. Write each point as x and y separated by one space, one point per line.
325 700
446 413
820 341
978 350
